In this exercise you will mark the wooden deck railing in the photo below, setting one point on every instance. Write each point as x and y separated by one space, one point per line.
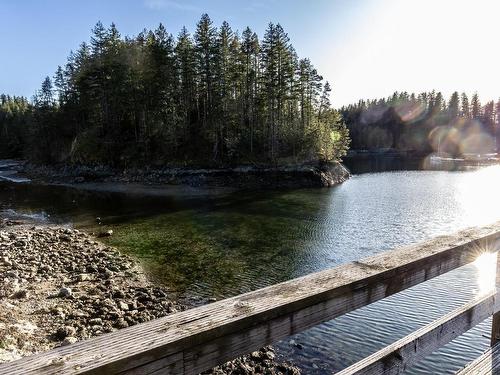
198 339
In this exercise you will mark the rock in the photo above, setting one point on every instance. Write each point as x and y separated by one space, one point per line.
79 180
107 233
83 277
20 294
69 340
107 274
122 305
65 331
45 267
65 238
12 273
255 355
270 355
117 293
6 262
65 292
121 323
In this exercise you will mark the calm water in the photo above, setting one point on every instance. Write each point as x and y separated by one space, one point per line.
218 244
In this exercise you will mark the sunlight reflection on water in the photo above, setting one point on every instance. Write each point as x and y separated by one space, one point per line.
475 196
486 272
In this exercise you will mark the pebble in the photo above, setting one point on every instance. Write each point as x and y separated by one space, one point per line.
6 262
65 331
122 305
65 292
69 340
84 277
20 294
107 233
11 273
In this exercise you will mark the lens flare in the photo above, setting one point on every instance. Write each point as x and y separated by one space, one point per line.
410 112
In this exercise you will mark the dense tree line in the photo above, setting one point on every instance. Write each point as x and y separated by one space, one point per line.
15 119
425 123
214 97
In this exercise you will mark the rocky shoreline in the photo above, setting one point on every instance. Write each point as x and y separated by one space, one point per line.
60 285
294 176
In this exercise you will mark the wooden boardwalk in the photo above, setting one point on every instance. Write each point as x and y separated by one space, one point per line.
198 339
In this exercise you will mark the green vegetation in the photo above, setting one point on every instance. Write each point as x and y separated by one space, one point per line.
15 120
425 123
214 98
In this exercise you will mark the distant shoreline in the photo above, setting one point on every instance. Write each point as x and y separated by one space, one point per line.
243 177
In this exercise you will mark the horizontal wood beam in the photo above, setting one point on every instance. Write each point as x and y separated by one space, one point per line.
394 359
201 338
487 364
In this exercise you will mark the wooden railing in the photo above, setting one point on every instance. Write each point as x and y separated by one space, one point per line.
198 339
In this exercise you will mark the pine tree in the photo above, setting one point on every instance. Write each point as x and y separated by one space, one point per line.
488 118
465 109
222 83
454 105
61 85
205 47
45 97
250 54
475 107
186 72
325 99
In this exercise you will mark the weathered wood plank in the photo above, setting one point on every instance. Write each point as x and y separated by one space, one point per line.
394 359
495 322
487 364
209 335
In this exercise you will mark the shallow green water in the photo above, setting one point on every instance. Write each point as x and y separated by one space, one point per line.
228 247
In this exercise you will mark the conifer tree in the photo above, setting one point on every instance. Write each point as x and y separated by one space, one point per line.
475 107
465 109
454 105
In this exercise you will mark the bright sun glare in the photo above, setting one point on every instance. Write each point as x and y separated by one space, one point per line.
434 52
486 267
475 196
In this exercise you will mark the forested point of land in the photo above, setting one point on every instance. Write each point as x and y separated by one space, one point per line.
216 97
425 123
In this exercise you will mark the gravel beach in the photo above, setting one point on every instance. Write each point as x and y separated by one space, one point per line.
60 285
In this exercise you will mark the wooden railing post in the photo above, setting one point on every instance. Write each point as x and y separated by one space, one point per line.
495 322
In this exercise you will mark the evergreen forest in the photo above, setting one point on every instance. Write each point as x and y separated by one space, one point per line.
214 97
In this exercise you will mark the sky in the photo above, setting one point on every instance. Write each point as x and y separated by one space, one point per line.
364 48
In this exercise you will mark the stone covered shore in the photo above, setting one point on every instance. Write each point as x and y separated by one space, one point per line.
249 177
60 285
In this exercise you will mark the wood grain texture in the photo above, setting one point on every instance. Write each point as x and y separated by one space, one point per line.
495 322
194 340
486 364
